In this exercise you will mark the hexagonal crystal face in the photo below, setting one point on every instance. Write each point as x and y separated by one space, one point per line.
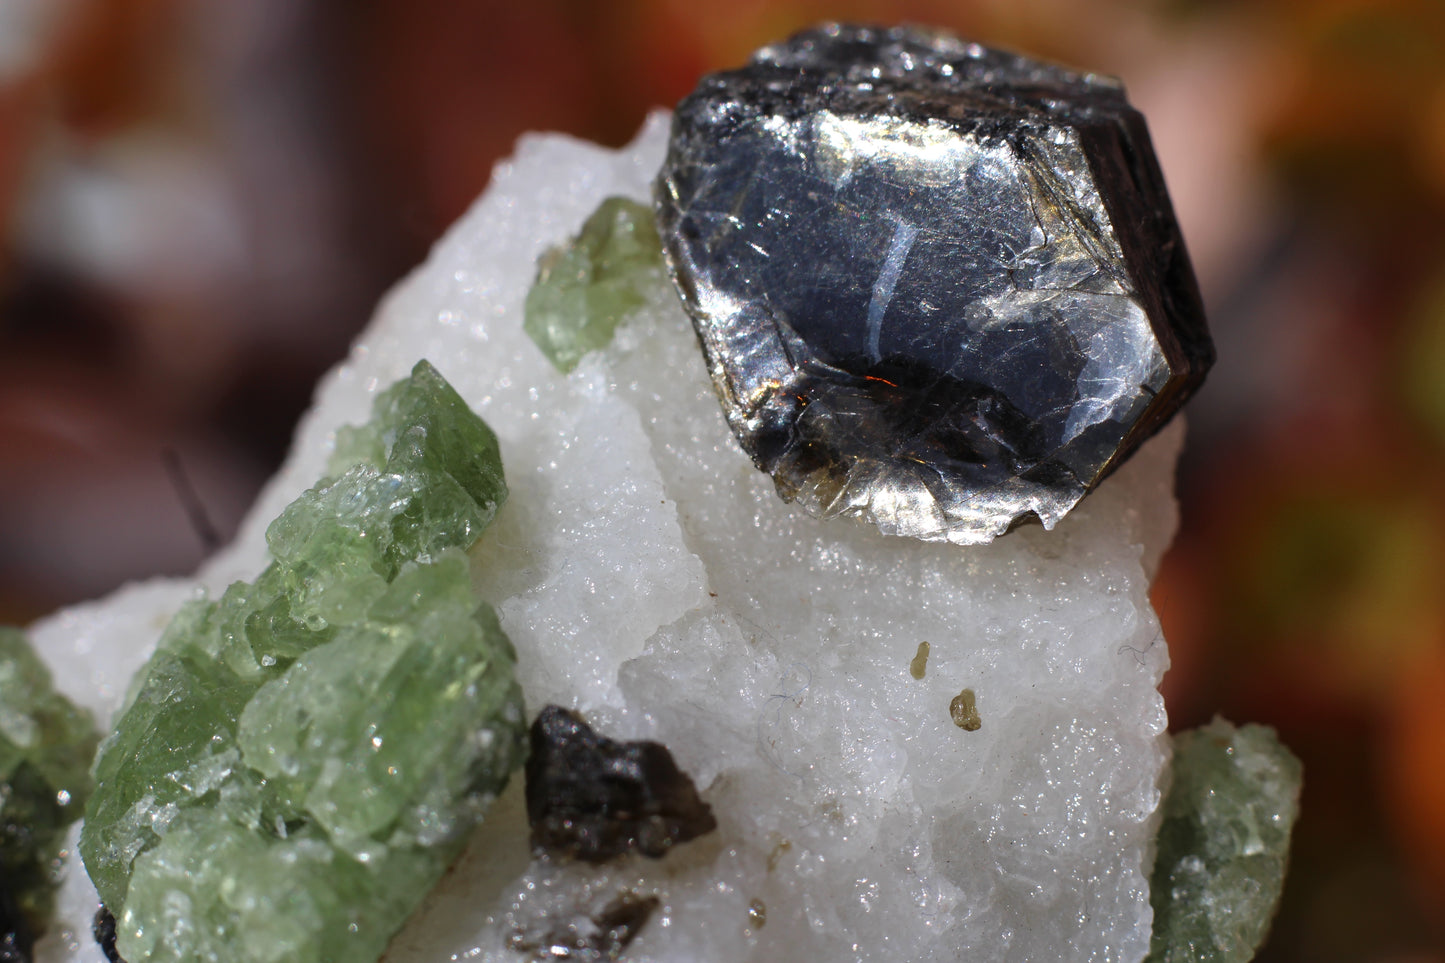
938 286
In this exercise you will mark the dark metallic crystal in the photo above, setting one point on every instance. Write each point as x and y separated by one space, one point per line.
593 798
938 286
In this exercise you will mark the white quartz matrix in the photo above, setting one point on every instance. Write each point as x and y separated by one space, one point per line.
650 577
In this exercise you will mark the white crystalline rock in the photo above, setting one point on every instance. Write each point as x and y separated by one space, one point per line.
650 577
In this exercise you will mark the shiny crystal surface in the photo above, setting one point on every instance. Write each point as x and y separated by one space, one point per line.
938 286
650 578
302 758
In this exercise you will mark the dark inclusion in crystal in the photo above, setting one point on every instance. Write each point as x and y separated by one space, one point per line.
592 798
938 286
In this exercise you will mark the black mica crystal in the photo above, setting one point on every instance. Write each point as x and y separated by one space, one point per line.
938 286
593 798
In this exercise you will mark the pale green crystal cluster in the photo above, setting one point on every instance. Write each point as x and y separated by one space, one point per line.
1223 843
301 759
46 747
585 288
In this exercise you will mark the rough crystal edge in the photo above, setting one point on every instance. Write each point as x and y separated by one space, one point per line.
72 636
159 598
1188 353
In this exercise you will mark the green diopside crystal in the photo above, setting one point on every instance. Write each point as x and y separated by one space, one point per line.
46 747
1223 844
585 288
302 758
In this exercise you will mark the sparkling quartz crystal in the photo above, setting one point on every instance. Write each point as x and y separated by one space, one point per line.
938 286
46 747
301 759
1223 845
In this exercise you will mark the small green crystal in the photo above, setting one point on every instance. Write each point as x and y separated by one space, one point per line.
46 748
302 758
585 288
1223 844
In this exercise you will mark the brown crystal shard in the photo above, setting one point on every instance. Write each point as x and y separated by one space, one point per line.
594 939
593 798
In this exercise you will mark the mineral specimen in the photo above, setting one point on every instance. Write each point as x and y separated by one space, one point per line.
1223 845
585 288
938 286
46 748
650 578
301 759
591 798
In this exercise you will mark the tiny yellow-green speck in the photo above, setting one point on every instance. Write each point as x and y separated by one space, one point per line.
919 665
964 711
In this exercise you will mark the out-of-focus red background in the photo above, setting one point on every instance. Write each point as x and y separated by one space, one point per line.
201 202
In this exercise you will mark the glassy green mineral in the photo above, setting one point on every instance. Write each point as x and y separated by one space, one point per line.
302 758
46 747
586 287
1223 844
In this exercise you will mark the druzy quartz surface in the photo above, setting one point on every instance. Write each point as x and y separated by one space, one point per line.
938 286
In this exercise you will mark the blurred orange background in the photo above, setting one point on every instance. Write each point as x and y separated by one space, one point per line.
202 202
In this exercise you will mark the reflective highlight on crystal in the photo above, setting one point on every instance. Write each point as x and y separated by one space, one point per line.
302 758
939 287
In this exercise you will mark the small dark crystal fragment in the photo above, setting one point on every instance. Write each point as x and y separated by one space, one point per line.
591 798
938 286
599 939
103 929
